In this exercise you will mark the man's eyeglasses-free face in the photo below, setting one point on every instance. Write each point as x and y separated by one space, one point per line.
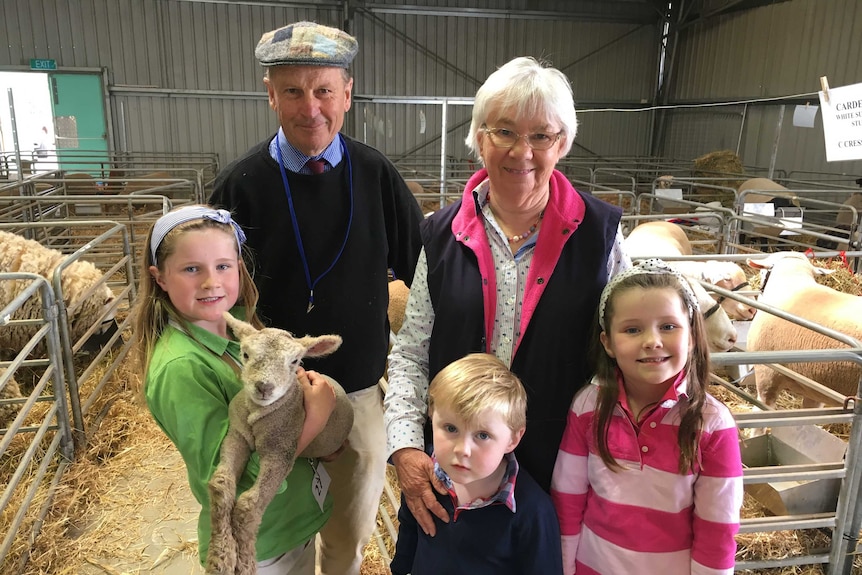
506 138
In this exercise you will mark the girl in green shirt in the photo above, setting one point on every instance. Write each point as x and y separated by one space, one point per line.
192 273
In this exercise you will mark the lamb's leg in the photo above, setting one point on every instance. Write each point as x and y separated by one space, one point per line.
249 508
221 556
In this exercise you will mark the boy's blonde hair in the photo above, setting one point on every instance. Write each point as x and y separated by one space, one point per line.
477 383
153 309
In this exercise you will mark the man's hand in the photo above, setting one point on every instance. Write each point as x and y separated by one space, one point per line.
319 402
416 477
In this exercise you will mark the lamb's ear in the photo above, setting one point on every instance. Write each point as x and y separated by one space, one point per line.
321 345
238 327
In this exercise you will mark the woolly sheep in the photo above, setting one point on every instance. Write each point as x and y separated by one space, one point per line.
9 411
18 254
661 238
791 287
266 417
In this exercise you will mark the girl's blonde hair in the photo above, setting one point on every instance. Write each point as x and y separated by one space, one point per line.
696 368
153 309
476 383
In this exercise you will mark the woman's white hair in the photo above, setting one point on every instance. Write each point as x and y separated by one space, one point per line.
525 86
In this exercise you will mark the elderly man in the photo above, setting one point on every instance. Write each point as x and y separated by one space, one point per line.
326 217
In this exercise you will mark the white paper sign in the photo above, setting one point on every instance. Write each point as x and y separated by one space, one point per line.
670 193
764 209
803 116
842 123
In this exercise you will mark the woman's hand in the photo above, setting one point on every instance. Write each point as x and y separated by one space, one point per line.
416 477
318 397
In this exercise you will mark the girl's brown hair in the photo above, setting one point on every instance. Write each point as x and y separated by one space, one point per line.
696 368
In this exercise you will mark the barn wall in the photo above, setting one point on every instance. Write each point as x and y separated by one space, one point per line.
182 74
775 54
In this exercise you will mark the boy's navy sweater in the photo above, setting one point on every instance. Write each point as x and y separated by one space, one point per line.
484 541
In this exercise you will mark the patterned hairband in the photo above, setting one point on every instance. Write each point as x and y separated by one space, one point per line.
651 266
169 221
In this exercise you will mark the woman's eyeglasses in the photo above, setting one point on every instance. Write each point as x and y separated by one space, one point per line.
506 138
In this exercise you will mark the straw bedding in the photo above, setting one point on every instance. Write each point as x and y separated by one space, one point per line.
99 510
125 492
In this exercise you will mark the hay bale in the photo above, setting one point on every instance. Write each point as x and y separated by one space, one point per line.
718 165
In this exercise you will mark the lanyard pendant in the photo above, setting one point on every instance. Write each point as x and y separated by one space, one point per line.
310 302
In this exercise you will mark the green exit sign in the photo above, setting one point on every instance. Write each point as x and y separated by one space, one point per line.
41 64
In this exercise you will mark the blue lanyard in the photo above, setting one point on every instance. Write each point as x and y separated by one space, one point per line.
311 284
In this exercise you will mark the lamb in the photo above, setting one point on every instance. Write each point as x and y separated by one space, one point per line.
267 417
18 254
660 238
791 287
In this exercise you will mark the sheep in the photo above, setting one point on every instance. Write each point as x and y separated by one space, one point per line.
660 238
726 275
791 287
844 220
265 416
664 182
665 238
9 390
18 254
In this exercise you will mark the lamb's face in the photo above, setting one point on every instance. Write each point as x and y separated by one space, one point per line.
270 360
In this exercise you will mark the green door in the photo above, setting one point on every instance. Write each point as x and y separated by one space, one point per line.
79 122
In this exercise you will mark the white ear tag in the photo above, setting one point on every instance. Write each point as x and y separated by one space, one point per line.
320 482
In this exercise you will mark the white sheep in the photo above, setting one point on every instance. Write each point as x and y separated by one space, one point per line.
665 238
724 274
266 416
791 287
661 238
18 254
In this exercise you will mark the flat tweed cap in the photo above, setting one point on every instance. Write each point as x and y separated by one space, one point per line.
308 44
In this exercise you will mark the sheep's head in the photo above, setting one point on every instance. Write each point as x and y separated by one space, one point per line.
88 297
271 357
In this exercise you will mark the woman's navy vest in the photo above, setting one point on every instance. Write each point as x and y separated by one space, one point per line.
551 359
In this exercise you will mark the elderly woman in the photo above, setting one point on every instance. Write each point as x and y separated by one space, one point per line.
515 268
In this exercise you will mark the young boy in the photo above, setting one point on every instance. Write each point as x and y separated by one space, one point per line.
478 412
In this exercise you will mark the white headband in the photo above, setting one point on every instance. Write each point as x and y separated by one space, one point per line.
653 266
169 221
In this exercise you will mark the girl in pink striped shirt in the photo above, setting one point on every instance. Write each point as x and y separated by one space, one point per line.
648 478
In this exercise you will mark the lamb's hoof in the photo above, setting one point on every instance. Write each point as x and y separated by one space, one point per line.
221 556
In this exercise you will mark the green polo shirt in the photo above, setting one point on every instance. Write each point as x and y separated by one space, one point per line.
188 389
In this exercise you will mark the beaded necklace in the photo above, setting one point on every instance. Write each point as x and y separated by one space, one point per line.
525 235
528 233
